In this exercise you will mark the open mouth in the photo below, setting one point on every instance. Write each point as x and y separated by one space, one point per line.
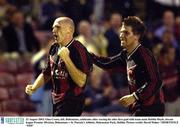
55 37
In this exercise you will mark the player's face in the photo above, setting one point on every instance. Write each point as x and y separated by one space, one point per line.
127 36
58 33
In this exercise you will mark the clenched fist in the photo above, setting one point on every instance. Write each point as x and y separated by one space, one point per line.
127 100
63 53
29 89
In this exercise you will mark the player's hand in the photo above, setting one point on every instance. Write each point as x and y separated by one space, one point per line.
63 53
29 89
127 100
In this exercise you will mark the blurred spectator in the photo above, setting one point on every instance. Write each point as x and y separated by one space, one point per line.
125 7
96 42
98 10
156 50
101 96
112 34
24 5
19 35
152 15
85 36
5 7
96 26
170 77
98 29
168 38
177 28
51 7
167 25
79 9
149 39
97 92
101 43
50 10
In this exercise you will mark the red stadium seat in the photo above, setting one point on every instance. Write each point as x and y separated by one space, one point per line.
3 94
18 106
17 93
3 67
7 79
12 106
25 66
24 79
27 106
0 107
9 114
8 66
11 66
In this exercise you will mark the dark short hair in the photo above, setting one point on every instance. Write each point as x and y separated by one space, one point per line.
137 25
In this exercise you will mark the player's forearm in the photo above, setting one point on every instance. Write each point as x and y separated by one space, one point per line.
100 58
102 63
40 81
108 62
78 77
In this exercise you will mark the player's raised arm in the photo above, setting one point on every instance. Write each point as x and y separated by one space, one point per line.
77 75
40 81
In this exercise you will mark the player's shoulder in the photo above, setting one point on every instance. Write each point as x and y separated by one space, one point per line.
145 50
78 45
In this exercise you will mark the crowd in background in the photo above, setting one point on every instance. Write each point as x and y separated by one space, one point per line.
25 38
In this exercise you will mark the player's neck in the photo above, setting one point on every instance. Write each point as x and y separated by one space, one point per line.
66 41
131 48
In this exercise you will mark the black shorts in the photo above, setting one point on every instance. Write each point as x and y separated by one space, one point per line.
153 110
72 106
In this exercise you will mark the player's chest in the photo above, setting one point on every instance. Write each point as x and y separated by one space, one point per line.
134 68
58 68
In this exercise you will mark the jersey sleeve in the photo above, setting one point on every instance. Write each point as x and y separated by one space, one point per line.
109 62
81 58
153 82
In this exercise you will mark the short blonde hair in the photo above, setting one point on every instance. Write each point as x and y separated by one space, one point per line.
65 22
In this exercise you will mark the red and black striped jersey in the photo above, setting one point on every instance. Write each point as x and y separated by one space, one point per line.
63 85
142 73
